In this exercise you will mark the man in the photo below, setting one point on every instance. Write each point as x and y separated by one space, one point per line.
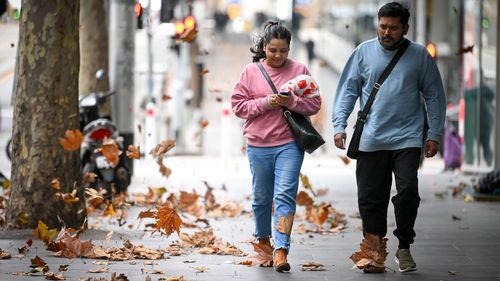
392 138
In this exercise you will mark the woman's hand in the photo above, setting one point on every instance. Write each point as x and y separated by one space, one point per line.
278 100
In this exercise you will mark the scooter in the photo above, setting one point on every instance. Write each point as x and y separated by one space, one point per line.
95 128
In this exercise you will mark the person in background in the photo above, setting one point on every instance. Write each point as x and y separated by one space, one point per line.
274 157
392 138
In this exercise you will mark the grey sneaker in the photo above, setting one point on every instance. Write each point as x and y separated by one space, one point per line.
405 261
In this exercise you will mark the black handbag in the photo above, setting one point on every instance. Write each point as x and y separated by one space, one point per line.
353 149
306 136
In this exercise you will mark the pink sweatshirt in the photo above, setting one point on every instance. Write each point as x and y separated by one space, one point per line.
265 126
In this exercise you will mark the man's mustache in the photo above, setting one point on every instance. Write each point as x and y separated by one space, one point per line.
387 38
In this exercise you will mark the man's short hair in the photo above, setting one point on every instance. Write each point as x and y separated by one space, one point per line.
395 10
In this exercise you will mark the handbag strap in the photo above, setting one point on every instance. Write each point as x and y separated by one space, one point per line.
362 115
264 72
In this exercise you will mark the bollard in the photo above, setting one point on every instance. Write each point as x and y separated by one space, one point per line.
225 137
150 129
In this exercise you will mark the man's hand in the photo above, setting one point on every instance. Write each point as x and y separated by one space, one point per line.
431 148
339 140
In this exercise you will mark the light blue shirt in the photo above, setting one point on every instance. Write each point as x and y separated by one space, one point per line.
396 119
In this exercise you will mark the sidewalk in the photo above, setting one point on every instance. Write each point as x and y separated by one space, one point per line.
467 246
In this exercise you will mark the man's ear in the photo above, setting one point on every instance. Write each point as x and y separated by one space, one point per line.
405 29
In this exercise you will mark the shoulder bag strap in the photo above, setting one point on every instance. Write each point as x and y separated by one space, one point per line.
362 115
264 72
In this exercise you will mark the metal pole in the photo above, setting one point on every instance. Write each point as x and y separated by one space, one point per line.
420 28
497 100
122 51
480 80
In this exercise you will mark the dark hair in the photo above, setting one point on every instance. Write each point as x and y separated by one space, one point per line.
272 30
395 10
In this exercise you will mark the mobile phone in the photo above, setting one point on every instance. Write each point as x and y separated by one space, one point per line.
284 93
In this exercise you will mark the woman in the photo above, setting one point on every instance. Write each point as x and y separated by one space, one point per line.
275 159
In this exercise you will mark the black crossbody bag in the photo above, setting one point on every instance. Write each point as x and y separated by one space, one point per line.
353 149
306 136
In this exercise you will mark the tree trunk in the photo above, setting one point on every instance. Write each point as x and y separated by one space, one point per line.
94 52
45 106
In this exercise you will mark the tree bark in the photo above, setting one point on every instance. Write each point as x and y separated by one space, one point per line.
93 45
45 106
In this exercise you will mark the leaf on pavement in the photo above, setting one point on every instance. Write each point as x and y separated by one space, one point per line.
202 238
74 247
39 264
312 266
43 233
54 276
4 255
68 198
187 199
71 140
98 270
110 150
168 220
372 254
210 203
109 211
134 152
162 148
263 254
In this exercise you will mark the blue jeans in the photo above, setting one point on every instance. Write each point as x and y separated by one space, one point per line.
275 172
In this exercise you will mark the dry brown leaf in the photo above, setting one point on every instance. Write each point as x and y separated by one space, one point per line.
71 140
74 247
134 152
200 269
189 35
187 199
110 150
164 170
55 184
263 254
372 254
345 159
109 211
204 123
318 214
54 276
147 214
4 255
205 71
68 198
202 238
467 49
162 148
98 270
303 199
218 99
39 265
168 220
210 203
312 266
166 97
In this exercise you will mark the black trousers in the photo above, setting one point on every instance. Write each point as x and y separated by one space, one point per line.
374 177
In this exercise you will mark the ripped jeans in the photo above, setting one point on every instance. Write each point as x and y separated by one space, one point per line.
275 176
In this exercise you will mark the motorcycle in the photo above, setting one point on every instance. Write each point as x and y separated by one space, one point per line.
96 128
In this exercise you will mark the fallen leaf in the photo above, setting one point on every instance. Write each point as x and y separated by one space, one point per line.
4 255
164 170
205 71
89 177
200 269
55 184
168 220
303 199
312 266
110 150
467 49
263 254
162 148
71 140
372 254
98 270
39 265
134 152
54 276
